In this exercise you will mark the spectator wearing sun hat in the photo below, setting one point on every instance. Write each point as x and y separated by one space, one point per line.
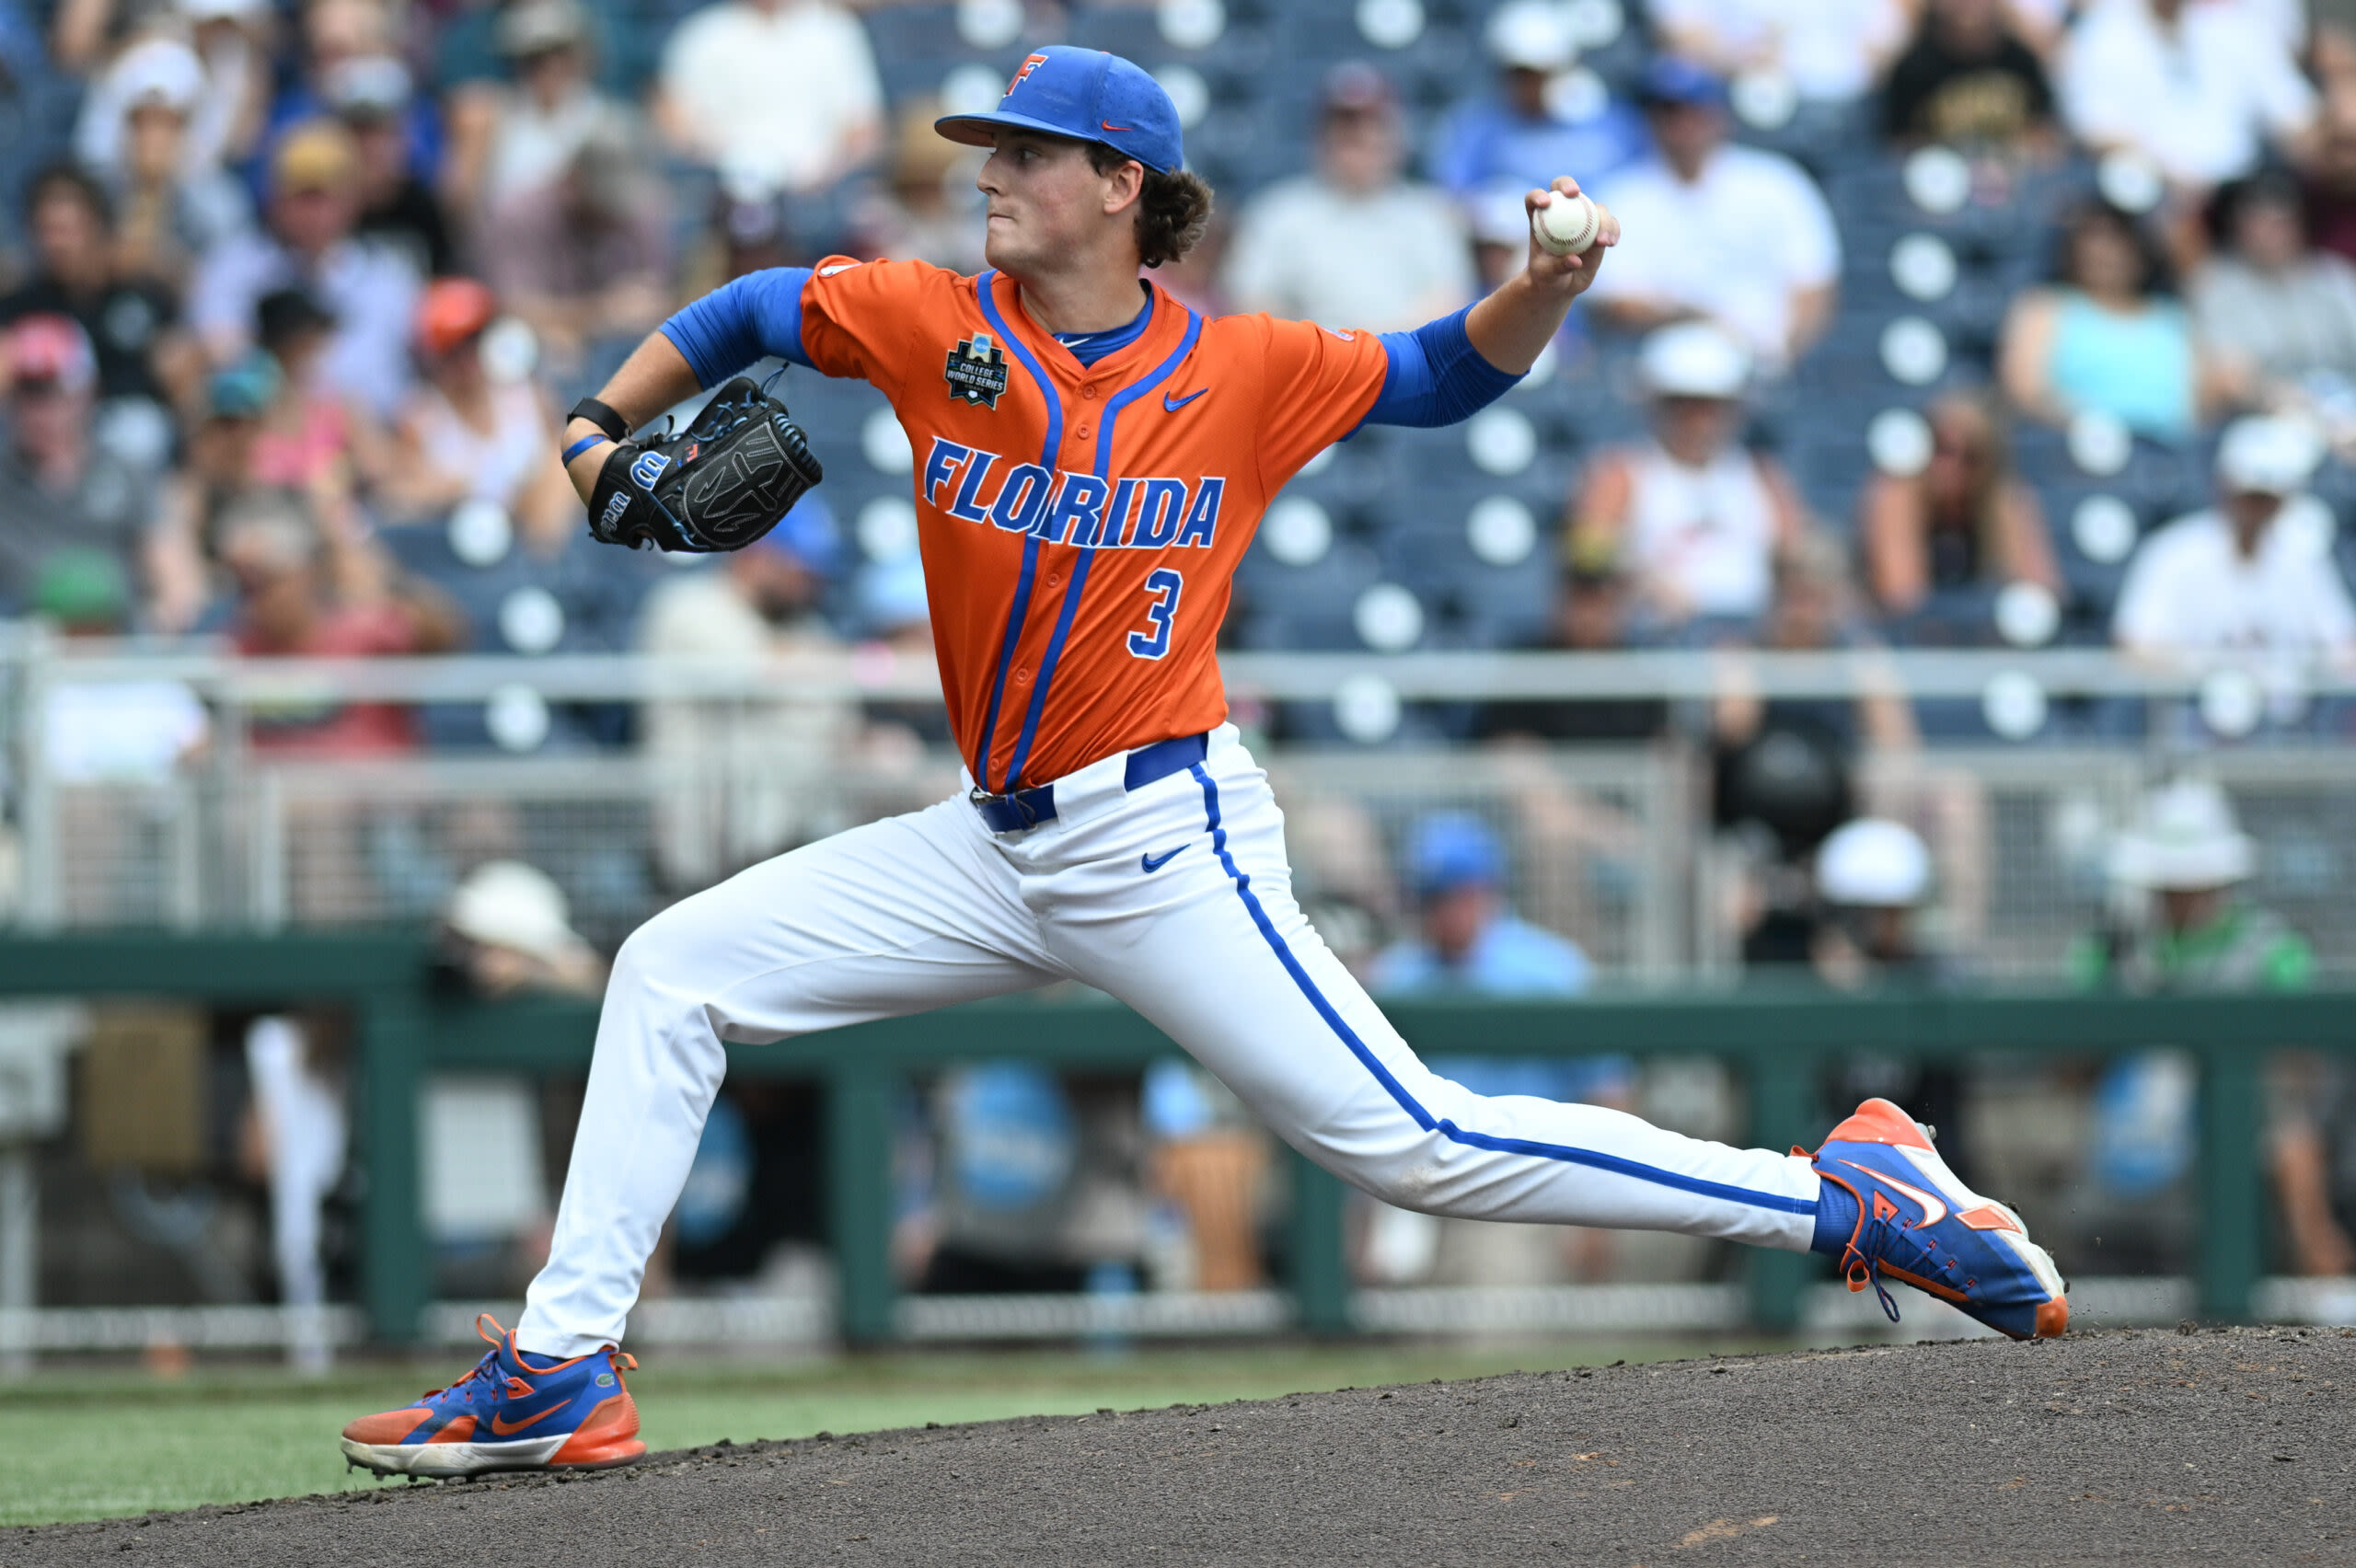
1732 234
2255 571
59 489
509 928
2185 864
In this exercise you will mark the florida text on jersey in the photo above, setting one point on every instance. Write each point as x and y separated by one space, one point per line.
1081 524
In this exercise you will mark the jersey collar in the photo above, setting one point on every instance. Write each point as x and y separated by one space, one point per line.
1146 350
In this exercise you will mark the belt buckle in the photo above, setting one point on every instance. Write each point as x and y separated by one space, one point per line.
982 800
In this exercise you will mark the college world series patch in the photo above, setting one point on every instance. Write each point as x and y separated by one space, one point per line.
976 371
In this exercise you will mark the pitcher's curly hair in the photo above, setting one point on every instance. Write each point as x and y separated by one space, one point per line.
1172 210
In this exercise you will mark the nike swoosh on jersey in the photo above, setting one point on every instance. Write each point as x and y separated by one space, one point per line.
1933 1210
1153 863
1174 404
505 1428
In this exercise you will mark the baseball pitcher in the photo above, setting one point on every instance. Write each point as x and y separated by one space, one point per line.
1091 459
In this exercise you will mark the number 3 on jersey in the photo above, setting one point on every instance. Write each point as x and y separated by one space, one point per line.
1164 585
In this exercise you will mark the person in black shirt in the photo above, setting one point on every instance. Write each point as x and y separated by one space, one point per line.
133 323
371 95
1590 613
1969 79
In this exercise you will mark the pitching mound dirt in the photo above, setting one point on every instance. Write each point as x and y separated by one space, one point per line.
2142 1448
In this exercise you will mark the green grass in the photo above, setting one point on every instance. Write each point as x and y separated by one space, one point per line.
84 1445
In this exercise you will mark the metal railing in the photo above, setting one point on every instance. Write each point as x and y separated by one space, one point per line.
1775 1044
1612 845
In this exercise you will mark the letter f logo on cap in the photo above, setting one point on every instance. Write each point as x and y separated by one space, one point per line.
1030 64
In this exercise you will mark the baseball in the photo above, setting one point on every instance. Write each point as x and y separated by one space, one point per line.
1565 226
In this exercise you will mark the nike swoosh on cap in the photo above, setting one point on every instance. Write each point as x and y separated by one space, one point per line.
1110 126
1174 404
1153 863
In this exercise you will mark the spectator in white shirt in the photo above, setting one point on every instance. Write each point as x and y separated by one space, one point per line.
2253 572
2198 87
1735 234
778 95
1302 249
1694 518
1830 50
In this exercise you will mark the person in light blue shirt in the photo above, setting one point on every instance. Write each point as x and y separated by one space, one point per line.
1547 117
1471 943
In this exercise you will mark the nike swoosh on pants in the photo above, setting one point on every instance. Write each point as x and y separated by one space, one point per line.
1153 863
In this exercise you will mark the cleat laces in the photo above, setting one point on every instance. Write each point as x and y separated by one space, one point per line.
1883 1237
487 1369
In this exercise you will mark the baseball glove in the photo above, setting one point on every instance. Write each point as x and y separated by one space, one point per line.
718 485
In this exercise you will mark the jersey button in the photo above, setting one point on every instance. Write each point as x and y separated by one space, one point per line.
1081 434
1088 391
1054 579
1021 677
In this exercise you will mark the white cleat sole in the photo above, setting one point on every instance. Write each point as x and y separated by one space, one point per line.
446 1460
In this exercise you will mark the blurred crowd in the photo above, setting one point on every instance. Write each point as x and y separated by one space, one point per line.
296 290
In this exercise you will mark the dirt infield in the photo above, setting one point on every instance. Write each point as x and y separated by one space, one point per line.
2217 1447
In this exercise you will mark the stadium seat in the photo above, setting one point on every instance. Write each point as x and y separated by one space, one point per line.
1306 607
1482 603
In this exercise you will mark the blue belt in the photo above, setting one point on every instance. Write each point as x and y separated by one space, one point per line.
1021 809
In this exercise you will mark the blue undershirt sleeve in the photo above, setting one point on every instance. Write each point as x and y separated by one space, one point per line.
739 322
1437 376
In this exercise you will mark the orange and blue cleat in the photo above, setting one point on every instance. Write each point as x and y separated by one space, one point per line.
511 1413
1908 1218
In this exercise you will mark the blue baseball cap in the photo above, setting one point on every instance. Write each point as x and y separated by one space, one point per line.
1086 95
1672 79
1453 850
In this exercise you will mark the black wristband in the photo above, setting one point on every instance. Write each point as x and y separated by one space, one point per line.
603 416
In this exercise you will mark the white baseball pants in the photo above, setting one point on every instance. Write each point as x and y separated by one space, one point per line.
1177 900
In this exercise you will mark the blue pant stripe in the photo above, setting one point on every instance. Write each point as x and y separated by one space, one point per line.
1407 1103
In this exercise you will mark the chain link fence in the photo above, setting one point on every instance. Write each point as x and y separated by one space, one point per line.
181 815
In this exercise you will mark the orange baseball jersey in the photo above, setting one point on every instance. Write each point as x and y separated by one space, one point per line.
1080 525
